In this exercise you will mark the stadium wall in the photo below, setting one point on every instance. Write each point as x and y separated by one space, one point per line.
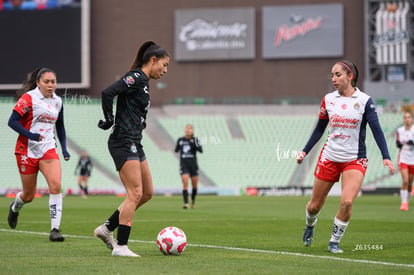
118 27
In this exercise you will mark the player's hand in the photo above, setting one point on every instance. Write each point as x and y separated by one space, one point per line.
105 124
388 163
66 155
300 157
36 137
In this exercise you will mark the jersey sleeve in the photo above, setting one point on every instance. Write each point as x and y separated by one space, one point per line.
108 95
24 105
177 146
133 80
373 121
323 114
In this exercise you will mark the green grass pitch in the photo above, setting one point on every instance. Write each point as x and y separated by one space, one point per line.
226 235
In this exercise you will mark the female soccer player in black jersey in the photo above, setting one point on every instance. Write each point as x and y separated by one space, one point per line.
84 168
188 147
124 142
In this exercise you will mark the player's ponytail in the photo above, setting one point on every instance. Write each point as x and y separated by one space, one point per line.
145 52
29 84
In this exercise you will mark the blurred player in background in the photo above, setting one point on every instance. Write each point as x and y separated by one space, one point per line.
405 142
124 142
84 168
34 117
347 111
188 146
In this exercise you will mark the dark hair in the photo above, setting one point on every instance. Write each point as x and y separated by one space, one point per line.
350 68
145 52
30 83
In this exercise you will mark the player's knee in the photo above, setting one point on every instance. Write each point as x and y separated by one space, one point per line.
346 205
27 198
313 208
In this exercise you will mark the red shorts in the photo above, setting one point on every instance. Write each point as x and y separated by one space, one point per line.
330 171
28 165
410 168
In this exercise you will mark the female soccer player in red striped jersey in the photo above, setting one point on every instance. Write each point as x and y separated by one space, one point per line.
347 110
405 142
34 117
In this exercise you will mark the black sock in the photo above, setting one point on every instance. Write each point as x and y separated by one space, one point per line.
113 221
185 196
85 190
123 234
193 194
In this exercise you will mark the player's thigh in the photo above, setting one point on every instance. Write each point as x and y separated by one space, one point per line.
320 191
351 184
130 174
147 184
51 170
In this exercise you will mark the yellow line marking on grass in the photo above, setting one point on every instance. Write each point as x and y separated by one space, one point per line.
232 248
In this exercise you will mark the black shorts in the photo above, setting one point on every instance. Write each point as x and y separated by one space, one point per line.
189 169
121 151
84 172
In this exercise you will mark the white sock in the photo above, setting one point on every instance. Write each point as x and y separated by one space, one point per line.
408 196
18 203
55 207
311 219
338 230
403 195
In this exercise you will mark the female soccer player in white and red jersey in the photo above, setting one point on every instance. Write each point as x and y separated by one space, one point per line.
347 110
405 142
34 117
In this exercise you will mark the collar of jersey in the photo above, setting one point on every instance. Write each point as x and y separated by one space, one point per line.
354 95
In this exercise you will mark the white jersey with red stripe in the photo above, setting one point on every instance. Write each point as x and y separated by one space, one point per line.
347 125
406 154
39 115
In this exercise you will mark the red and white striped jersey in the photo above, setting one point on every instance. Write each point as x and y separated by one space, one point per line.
347 125
406 154
39 115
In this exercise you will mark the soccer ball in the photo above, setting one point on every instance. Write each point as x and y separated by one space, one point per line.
171 241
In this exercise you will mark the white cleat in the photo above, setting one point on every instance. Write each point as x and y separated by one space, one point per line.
334 248
103 233
123 250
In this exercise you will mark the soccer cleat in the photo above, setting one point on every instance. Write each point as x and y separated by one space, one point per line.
12 218
404 206
55 236
334 248
123 251
102 232
185 206
308 235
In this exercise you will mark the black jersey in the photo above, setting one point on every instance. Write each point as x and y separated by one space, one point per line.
132 105
188 148
85 166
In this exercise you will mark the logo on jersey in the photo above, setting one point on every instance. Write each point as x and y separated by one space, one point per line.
322 111
134 148
344 106
46 118
129 80
343 122
356 106
136 75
